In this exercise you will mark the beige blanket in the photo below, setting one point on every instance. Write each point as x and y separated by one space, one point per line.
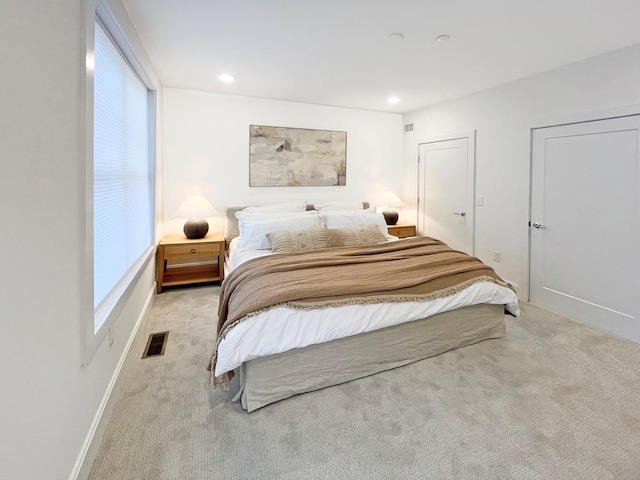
406 270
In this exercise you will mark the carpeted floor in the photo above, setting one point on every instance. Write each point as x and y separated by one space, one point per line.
554 399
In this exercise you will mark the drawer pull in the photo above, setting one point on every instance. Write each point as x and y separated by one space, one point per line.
193 250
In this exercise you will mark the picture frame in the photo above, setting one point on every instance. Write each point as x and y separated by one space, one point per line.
295 157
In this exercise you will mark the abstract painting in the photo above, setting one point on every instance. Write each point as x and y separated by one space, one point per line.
290 157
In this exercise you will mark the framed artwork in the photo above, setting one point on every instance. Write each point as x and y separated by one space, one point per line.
293 157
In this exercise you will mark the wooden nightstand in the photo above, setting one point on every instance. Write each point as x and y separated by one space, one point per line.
402 230
180 261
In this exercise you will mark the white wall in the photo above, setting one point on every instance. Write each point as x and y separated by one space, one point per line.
503 117
49 403
206 150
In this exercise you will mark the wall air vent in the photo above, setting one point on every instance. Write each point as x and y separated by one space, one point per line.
408 128
156 344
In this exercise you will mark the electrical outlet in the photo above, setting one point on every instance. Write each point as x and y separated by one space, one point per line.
112 336
497 256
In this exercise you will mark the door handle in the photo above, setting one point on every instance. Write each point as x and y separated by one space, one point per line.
536 225
462 214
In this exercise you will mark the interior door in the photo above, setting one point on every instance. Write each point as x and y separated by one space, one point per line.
585 234
446 190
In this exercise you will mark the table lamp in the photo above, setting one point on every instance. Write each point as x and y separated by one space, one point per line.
389 200
196 209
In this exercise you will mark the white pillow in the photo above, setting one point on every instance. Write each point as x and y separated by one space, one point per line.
348 219
243 215
371 209
340 205
280 207
253 233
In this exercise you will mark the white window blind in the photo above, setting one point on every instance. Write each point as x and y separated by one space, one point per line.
122 175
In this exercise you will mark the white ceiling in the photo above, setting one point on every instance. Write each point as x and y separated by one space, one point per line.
338 52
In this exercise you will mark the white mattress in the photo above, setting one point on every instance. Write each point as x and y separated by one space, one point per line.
281 329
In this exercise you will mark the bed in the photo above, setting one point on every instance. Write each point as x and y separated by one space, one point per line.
295 321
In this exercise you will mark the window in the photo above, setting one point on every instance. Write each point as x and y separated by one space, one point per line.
123 175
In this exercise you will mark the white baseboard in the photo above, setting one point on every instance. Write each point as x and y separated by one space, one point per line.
83 464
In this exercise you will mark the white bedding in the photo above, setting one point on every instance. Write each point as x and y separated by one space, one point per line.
237 255
290 328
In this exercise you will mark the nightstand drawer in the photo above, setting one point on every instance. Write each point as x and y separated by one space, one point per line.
402 230
195 250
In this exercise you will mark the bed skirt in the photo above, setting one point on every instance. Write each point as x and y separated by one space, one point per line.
269 379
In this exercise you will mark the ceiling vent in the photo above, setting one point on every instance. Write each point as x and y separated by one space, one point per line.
408 128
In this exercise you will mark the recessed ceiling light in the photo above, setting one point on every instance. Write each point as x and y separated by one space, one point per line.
393 99
442 38
396 37
226 78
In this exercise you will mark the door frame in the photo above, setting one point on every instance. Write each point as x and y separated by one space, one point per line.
470 135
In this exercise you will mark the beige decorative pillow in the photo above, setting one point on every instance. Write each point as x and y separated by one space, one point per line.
289 241
361 235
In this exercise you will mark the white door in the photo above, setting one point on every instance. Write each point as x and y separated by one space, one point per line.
585 233
445 190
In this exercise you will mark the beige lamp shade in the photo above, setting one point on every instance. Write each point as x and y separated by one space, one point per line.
195 209
389 200
196 206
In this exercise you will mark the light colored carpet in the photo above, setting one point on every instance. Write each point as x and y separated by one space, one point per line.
554 399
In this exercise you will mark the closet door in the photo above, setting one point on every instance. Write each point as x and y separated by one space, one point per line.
585 226
446 190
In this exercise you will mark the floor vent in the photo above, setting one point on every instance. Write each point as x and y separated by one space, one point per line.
155 344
